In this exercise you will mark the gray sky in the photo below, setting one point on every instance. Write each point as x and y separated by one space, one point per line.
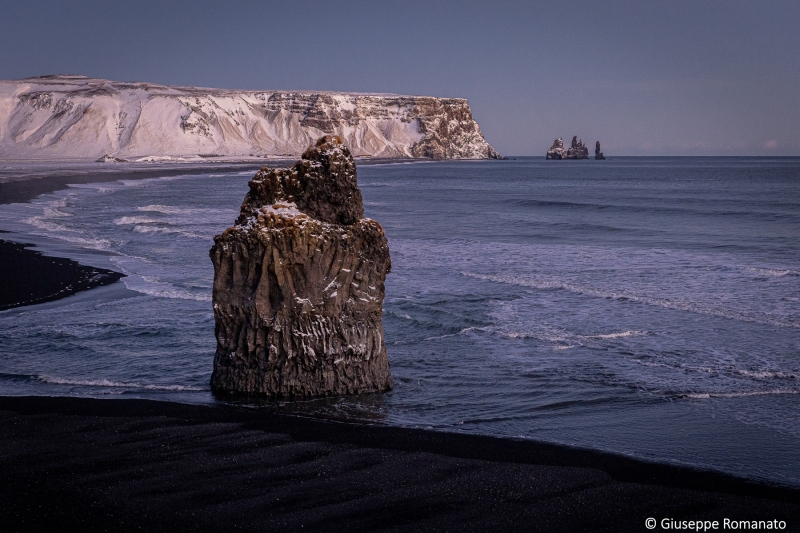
643 77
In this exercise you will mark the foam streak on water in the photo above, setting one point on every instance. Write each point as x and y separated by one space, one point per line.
646 306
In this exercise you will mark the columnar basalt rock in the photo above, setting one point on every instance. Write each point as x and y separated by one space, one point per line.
299 284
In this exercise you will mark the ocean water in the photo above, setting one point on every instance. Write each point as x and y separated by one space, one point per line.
645 306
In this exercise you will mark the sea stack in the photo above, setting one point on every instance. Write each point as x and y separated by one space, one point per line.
557 150
597 153
299 284
577 150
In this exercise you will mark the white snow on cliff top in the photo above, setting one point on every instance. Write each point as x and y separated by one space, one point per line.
75 117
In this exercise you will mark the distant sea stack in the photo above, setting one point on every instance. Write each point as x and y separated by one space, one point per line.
79 117
299 284
557 150
597 153
578 150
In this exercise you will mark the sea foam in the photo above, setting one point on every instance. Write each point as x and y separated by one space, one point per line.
116 384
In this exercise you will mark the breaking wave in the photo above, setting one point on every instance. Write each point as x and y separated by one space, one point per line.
190 211
619 335
127 221
771 272
162 289
692 307
116 384
706 395
169 231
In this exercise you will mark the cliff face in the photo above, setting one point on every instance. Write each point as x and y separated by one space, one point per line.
299 284
74 116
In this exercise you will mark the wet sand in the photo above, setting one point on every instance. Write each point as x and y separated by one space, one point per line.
136 465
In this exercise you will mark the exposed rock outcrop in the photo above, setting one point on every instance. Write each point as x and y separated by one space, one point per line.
597 153
299 284
557 150
75 116
577 150
110 159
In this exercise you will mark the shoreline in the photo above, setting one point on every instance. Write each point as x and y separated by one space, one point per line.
124 464
28 277
22 181
23 184
566 480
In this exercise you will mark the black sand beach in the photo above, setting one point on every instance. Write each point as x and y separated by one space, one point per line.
28 277
77 464
22 183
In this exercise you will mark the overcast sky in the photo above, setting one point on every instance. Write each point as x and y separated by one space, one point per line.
643 77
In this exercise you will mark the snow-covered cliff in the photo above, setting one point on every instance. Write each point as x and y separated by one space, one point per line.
79 117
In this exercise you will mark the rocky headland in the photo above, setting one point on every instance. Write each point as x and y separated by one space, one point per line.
52 117
299 284
577 150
